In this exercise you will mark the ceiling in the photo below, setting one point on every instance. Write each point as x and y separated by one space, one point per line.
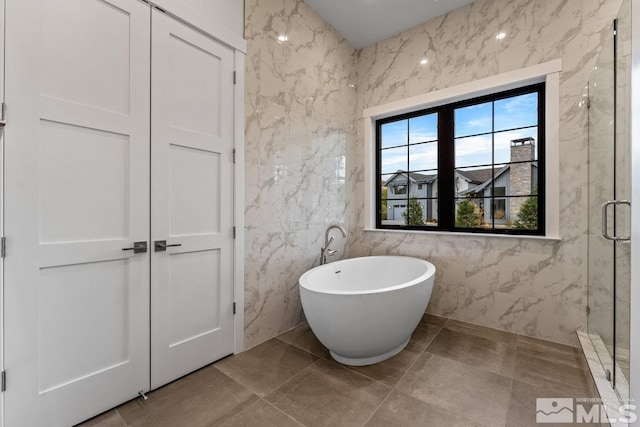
364 22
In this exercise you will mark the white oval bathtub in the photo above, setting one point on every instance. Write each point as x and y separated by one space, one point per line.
364 310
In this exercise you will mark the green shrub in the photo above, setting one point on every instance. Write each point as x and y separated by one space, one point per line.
413 215
467 214
383 205
528 214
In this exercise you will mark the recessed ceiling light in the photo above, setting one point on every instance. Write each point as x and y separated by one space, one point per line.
424 61
282 38
501 35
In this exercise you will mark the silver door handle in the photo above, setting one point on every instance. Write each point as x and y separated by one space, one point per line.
137 248
161 245
605 222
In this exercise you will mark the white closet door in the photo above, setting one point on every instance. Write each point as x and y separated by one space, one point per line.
77 193
192 200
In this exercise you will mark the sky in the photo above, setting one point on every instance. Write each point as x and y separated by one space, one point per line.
510 113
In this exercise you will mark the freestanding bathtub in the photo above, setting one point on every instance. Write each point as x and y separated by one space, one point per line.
364 310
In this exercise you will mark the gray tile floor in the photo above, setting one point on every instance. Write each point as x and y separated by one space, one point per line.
450 374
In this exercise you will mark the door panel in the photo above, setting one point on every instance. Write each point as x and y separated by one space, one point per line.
192 202
609 255
103 189
622 216
195 86
77 193
100 75
601 188
194 276
99 292
195 175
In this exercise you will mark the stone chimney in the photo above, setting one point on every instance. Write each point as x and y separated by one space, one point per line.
520 174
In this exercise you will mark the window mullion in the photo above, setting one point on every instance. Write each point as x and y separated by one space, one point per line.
492 207
379 175
446 166
406 206
541 184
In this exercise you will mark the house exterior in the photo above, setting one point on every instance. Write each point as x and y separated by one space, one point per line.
513 179
422 187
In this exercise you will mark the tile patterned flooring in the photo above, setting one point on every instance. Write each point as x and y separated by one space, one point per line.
450 374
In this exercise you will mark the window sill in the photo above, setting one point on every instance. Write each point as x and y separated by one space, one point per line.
475 235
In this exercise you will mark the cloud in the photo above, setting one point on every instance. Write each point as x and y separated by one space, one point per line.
519 104
484 122
416 137
422 157
473 150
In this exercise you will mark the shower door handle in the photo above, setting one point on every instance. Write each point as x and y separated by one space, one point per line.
626 238
605 222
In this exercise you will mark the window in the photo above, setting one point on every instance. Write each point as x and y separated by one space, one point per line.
469 166
400 189
499 205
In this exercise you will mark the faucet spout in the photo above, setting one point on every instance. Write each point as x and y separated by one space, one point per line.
325 251
331 227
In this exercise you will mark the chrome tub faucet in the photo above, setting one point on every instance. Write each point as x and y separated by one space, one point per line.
325 251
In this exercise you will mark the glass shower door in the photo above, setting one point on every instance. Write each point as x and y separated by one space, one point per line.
609 200
600 265
622 212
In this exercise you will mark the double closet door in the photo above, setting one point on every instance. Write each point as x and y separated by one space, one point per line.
118 205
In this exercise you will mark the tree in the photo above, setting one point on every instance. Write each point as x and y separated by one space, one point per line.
413 215
528 214
466 214
383 205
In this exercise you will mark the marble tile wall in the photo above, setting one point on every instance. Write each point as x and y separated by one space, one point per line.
305 163
531 287
300 146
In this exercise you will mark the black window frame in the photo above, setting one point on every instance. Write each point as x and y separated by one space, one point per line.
446 165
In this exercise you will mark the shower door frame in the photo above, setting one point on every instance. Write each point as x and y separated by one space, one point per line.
634 377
